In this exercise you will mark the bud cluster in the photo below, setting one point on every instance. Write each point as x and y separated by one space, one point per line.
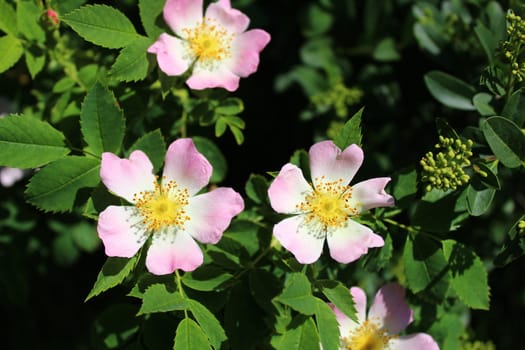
338 97
445 169
512 48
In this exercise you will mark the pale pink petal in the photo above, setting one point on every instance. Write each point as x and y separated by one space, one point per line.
246 49
288 189
121 231
187 166
211 213
180 14
326 159
204 77
349 243
224 3
297 237
233 20
171 55
126 177
418 341
390 310
9 176
371 194
172 250
346 325
359 297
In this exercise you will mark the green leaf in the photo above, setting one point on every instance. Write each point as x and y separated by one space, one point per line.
300 335
351 132
35 62
158 299
214 156
479 198
114 271
482 103
85 237
153 145
102 25
189 336
7 19
11 49
206 278
54 187
230 106
327 325
450 91
132 63
515 108
27 142
209 323
487 39
149 11
297 294
28 20
426 268
386 50
257 188
102 121
340 296
506 140
404 187
237 134
469 276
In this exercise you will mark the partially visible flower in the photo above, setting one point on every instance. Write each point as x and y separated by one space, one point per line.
171 211
326 207
52 16
388 315
8 176
217 46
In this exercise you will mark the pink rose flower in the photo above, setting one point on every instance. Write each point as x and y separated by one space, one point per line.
217 46
172 211
325 208
388 315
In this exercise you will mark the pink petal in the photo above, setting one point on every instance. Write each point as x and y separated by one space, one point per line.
180 14
418 341
246 49
171 55
288 189
390 309
187 166
204 77
297 237
125 177
211 213
224 3
232 20
371 194
171 250
326 159
346 325
349 243
9 176
121 231
359 297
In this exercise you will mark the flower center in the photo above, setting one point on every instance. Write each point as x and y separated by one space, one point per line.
367 337
328 204
164 206
208 41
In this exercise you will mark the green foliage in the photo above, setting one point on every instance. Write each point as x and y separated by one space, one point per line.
132 63
297 294
102 25
506 140
351 132
12 47
113 273
450 91
26 142
102 121
190 336
158 299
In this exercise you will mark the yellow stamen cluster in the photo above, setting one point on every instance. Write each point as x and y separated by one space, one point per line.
208 41
513 48
338 97
164 206
368 336
328 204
445 169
